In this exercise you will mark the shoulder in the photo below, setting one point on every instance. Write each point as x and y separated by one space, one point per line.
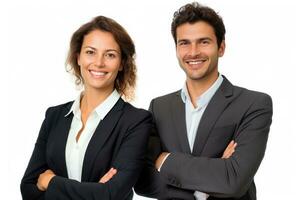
134 117
53 115
252 96
165 99
61 109
131 110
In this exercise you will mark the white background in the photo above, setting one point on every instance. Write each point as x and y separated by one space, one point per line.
262 54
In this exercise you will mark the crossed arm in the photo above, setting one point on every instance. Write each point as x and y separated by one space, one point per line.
230 177
40 182
46 176
181 174
226 154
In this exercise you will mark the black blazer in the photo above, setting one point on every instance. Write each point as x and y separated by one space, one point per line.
119 141
233 113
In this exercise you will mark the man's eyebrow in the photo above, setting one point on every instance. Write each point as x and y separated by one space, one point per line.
183 40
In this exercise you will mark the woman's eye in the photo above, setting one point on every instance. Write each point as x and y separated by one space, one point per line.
110 55
89 52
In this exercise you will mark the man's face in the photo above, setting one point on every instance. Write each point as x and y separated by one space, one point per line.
197 50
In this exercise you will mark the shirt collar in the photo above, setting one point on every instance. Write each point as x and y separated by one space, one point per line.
206 96
75 106
101 110
107 104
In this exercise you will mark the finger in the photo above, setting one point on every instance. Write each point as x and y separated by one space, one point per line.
39 184
108 175
48 171
106 178
230 150
235 145
230 145
111 173
39 187
226 152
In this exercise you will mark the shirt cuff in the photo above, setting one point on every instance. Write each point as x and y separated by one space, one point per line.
200 195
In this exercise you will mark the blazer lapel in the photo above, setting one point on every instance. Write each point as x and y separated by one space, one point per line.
214 109
178 115
99 138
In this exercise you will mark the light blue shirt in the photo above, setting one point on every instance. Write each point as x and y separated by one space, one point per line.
193 116
75 150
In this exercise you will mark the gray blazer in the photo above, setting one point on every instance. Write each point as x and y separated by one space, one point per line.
233 113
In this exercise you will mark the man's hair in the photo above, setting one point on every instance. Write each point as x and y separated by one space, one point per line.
195 12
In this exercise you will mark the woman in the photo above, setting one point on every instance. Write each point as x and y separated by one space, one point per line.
92 148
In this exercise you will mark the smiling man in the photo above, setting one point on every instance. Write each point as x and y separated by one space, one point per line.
195 124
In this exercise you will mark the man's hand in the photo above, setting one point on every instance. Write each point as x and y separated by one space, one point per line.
44 179
160 159
229 150
108 175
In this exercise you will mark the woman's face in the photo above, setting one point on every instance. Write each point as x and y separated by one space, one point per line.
99 60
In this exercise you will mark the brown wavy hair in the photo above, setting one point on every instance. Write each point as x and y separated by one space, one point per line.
126 79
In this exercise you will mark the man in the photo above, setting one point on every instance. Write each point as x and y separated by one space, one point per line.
195 124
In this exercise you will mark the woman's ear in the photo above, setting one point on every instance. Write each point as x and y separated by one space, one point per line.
78 59
121 66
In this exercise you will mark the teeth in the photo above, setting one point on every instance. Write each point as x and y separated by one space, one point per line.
98 73
195 62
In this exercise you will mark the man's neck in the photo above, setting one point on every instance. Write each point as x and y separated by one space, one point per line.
197 87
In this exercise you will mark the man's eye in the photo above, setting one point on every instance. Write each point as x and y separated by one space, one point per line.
182 43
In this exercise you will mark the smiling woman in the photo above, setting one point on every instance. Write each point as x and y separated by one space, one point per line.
93 147
99 61
103 42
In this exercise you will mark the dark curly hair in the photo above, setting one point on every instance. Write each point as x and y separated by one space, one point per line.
194 12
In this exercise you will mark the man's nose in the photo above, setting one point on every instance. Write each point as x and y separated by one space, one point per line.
194 50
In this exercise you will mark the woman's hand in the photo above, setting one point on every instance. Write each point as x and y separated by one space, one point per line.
108 175
44 179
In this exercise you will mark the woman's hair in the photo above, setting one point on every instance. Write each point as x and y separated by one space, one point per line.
126 79
195 12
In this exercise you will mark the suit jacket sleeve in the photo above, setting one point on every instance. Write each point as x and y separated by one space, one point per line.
37 164
128 161
225 177
150 183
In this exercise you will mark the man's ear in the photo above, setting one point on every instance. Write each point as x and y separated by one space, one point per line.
221 49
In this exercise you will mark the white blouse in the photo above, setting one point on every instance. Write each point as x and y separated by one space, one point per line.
75 151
